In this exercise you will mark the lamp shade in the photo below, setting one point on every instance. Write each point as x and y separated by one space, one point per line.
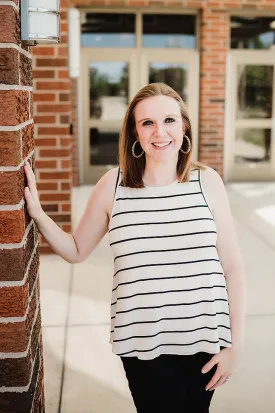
40 21
74 42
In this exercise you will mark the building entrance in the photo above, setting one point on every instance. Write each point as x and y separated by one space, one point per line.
111 76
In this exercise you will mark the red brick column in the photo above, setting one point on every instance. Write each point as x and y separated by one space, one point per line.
53 142
21 362
214 44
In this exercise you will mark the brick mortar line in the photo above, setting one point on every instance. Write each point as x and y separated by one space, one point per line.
21 354
16 87
10 3
6 320
22 389
12 129
19 244
20 282
15 46
15 207
38 376
16 168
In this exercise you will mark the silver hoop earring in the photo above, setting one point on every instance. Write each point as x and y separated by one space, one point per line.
133 150
189 146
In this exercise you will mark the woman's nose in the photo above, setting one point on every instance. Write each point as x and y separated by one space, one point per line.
160 131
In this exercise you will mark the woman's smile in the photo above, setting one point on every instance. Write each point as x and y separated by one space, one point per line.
162 145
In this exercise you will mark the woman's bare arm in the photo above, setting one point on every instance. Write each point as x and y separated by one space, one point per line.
228 251
94 222
91 228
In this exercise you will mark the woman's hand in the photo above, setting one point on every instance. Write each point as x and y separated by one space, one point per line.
226 361
31 195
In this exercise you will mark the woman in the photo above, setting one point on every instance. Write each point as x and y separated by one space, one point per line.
178 267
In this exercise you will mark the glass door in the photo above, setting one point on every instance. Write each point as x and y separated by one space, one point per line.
251 112
109 82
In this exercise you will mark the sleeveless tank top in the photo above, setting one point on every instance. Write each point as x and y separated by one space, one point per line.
169 291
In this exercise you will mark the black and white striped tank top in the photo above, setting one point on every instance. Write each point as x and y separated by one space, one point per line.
169 291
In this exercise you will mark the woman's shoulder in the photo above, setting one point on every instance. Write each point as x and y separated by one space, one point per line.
210 176
108 184
108 180
213 187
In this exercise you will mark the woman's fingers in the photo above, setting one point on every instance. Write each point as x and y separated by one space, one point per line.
31 181
31 195
214 380
220 382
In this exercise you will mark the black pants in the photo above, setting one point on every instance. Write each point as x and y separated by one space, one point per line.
170 383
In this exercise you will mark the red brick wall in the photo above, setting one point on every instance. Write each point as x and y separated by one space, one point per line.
214 41
21 362
53 142
55 96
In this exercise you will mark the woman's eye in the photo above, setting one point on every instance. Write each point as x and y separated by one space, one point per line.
171 120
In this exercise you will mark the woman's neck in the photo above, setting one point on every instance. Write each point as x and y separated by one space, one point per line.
159 174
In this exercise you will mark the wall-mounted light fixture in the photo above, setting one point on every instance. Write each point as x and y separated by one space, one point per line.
40 21
74 42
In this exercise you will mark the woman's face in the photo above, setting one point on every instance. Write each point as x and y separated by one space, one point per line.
159 127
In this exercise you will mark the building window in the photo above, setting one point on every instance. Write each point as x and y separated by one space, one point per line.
108 30
173 74
252 145
169 31
109 84
255 91
252 32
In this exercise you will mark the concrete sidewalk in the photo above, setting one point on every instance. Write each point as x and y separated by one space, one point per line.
82 375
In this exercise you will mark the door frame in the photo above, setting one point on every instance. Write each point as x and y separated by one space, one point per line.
256 171
102 55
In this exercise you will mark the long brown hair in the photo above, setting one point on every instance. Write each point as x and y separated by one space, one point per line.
133 168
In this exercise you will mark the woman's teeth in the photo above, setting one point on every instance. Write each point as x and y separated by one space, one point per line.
161 145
